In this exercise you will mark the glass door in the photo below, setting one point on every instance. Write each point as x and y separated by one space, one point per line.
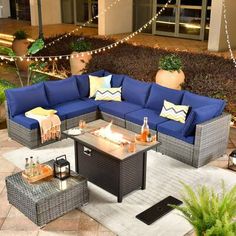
84 11
182 18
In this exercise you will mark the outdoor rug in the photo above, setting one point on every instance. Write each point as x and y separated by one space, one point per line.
163 176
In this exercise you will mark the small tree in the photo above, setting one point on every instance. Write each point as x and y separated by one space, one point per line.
35 47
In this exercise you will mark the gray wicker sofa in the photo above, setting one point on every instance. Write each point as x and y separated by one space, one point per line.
202 138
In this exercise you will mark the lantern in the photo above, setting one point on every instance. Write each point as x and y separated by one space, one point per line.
61 168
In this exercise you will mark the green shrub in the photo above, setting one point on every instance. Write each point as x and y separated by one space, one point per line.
210 214
3 86
20 34
80 45
170 62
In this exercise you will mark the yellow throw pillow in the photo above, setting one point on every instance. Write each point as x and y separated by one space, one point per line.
111 94
174 112
96 83
39 111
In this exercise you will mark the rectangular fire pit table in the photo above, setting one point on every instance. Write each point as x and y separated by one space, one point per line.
107 164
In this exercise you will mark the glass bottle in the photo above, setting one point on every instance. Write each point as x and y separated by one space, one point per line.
31 171
145 130
38 167
27 166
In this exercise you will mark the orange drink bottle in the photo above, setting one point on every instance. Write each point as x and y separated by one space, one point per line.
145 130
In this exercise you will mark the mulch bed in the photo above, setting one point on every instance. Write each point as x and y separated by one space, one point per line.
205 74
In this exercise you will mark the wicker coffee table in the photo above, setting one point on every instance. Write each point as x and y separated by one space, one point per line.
47 200
109 165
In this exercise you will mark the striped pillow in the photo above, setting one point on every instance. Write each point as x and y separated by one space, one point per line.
174 112
109 94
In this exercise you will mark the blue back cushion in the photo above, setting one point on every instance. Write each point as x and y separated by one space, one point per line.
159 93
62 91
21 100
135 91
197 116
116 79
83 82
196 101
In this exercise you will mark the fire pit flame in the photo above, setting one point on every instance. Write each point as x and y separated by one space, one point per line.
107 133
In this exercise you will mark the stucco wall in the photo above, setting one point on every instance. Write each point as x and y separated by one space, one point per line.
51 12
117 20
5 8
217 36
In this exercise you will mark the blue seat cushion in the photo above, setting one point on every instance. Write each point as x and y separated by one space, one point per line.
116 79
153 118
135 91
174 129
28 123
93 101
119 109
196 101
62 91
83 82
21 100
198 116
74 108
159 93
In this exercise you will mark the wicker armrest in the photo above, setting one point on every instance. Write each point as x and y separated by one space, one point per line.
213 131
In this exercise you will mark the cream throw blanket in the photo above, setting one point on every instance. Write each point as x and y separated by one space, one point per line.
49 123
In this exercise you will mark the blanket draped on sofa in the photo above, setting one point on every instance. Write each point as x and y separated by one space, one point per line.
50 124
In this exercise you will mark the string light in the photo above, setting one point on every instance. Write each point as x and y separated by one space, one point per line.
102 49
227 34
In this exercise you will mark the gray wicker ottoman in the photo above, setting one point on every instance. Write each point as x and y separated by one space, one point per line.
47 200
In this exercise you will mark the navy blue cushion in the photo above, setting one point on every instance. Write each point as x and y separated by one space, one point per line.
174 129
153 118
62 91
74 108
21 100
93 101
198 116
135 91
28 123
119 109
116 79
159 93
83 82
195 101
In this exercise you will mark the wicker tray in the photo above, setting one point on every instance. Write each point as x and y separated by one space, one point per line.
46 171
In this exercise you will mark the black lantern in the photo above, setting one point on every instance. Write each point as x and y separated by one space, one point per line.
61 168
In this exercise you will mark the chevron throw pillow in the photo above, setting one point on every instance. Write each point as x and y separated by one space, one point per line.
174 112
110 94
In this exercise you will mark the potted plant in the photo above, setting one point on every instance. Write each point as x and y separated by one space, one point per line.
20 46
79 58
170 72
3 86
208 212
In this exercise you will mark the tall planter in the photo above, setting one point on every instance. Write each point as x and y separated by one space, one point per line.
170 79
78 62
20 47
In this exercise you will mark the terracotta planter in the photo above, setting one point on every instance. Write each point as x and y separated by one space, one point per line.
78 63
169 79
20 48
2 112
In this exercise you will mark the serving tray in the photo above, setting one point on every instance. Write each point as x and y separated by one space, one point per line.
46 171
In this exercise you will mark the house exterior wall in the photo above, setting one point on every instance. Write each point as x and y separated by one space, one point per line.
5 11
51 12
117 20
217 36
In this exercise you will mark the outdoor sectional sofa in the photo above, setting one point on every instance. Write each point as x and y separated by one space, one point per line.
203 137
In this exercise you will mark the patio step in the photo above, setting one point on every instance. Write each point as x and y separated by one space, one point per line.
6 40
